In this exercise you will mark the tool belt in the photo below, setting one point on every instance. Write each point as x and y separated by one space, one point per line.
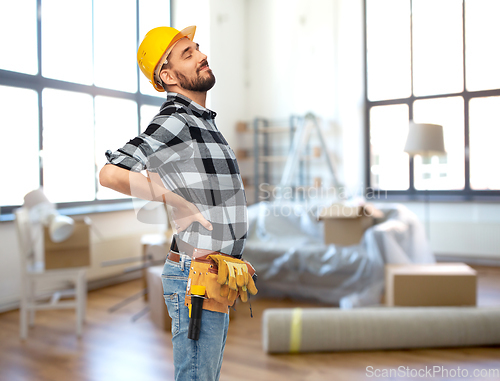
225 278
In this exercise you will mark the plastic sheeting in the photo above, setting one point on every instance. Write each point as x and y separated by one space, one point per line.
285 245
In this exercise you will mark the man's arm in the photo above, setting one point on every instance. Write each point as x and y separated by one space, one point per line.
123 181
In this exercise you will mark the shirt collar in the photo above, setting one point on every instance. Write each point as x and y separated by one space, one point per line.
192 106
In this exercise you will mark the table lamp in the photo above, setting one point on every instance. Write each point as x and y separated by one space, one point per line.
41 209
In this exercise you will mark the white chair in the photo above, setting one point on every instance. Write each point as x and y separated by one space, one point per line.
33 271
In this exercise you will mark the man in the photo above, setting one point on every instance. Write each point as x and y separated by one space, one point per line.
190 166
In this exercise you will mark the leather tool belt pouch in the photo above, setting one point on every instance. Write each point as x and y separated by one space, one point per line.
204 272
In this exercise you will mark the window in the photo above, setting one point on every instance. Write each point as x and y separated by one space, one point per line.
70 89
432 62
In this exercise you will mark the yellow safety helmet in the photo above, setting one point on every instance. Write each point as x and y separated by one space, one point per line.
155 48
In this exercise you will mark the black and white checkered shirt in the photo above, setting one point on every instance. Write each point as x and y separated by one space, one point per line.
192 158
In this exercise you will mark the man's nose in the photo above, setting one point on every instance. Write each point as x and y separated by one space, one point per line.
203 57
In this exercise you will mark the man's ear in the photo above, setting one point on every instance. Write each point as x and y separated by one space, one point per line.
167 77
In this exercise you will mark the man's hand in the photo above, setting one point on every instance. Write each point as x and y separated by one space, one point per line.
186 214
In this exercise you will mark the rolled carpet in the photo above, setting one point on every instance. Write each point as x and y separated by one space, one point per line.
332 329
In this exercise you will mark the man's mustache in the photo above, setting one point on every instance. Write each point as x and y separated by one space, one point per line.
203 64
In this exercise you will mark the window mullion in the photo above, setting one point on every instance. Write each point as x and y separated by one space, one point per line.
466 142
367 105
411 47
466 107
410 103
138 91
411 161
39 86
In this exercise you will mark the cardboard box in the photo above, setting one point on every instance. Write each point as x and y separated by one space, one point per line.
157 306
241 154
241 127
345 225
435 284
73 252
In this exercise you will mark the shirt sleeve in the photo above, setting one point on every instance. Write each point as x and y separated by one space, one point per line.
165 140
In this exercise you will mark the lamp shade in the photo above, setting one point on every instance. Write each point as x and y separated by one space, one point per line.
34 198
425 139
60 227
42 210
38 205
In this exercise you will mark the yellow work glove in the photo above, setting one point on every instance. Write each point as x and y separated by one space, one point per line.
234 277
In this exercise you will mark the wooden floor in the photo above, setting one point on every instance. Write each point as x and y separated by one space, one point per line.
114 348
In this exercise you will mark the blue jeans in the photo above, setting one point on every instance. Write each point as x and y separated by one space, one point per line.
193 359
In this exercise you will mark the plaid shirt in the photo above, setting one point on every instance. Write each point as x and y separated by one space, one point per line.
192 158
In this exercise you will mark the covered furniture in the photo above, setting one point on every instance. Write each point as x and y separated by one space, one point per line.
286 246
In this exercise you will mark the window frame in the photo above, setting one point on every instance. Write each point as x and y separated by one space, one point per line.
413 194
38 83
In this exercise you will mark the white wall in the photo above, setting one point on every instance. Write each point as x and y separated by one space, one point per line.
292 57
307 56
464 231
350 85
227 59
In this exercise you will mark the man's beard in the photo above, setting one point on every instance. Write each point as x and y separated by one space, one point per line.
200 84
